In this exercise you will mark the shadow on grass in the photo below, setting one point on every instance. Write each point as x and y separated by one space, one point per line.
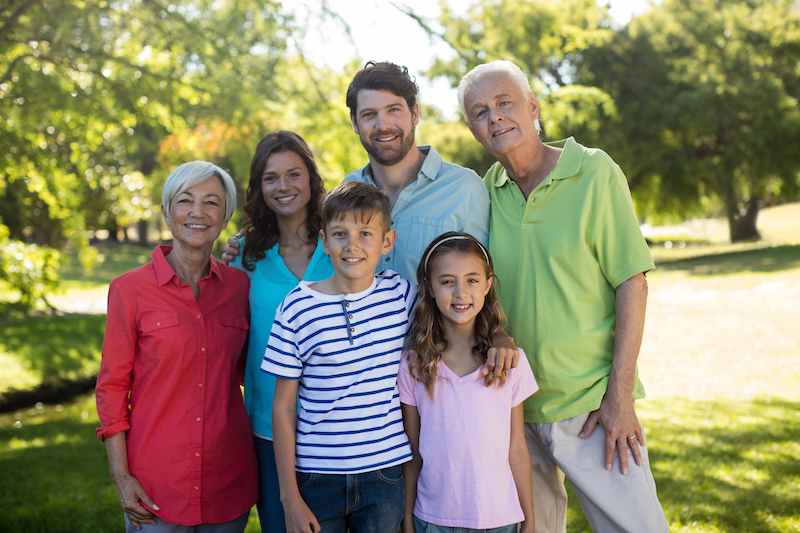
764 260
57 348
721 466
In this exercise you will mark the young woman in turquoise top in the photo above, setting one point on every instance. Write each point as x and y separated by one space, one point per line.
279 248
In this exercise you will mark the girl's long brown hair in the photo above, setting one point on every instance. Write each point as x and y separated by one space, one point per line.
425 340
260 224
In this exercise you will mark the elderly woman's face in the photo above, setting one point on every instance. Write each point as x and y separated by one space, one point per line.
197 215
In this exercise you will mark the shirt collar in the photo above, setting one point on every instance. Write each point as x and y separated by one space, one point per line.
430 167
568 163
164 272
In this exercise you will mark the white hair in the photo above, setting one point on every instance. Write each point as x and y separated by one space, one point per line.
190 174
500 66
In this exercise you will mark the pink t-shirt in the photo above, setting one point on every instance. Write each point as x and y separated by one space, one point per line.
464 440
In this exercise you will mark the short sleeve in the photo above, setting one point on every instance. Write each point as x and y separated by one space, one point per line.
406 383
411 299
477 220
523 382
282 356
621 248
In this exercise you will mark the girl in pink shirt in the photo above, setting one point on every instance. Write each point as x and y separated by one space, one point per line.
453 416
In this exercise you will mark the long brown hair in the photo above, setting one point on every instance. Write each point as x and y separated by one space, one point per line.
260 224
425 340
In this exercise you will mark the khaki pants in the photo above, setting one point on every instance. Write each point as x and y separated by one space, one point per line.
611 502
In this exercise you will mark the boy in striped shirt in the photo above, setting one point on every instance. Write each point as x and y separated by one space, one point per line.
336 344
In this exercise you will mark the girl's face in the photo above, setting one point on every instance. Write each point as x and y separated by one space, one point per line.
286 184
459 286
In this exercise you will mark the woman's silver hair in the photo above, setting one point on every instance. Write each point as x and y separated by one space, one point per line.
500 66
190 174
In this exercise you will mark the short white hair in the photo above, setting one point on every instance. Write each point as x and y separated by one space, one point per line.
190 174
500 66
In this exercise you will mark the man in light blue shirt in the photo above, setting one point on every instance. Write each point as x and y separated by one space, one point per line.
429 196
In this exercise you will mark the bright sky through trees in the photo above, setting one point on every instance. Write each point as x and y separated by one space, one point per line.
380 31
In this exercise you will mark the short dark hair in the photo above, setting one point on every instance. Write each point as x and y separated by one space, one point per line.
383 76
362 200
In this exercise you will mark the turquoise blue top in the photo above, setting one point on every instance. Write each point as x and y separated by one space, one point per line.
445 197
270 282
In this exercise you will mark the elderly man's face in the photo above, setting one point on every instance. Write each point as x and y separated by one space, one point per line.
500 117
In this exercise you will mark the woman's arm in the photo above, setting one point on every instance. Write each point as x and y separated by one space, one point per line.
299 518
520 462
412 468
129 490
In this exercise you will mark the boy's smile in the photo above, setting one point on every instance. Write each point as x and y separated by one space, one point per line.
355 246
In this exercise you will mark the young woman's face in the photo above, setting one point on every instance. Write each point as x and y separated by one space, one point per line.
459 286
286 184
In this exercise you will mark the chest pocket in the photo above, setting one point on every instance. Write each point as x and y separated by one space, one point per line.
424 230
159 335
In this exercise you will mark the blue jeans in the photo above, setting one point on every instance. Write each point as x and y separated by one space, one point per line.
371 502
421 526
270 508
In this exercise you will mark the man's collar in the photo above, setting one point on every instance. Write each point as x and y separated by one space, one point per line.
569 162
430 167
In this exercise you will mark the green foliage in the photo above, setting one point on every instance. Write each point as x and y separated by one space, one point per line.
707 97
88 90
543 38
29 269
37 350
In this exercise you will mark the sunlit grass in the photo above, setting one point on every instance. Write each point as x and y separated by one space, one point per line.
722 466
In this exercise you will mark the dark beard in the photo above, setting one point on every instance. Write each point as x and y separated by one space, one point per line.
407 143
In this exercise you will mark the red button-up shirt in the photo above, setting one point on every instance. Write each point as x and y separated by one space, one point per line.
169 378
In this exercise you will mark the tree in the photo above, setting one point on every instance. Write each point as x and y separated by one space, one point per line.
707 93
545 40
89 88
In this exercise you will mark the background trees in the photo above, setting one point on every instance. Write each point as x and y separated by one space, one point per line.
100 99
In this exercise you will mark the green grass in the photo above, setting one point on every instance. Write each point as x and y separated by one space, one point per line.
54 472
36 350
720 466
113 261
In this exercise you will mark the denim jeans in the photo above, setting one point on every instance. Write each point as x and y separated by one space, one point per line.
371 502
270 508
421 526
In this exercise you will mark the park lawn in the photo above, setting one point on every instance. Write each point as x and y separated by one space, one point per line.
720 466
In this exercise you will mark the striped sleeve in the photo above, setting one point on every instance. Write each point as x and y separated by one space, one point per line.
282 356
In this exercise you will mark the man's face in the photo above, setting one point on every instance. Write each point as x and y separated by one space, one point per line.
385 125
499 115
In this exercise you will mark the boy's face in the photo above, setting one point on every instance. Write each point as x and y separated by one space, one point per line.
355 246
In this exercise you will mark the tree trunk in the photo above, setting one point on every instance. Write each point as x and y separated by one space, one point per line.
142 232
742 221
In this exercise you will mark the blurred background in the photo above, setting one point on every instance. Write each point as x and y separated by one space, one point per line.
696 100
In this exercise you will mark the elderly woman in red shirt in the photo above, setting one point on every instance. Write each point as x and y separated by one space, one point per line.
178 439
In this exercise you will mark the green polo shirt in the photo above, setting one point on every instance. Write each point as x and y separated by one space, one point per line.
559 256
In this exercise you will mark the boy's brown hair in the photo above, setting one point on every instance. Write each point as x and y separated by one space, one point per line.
362 200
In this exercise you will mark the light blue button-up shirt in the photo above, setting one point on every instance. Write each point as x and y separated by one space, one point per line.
445 197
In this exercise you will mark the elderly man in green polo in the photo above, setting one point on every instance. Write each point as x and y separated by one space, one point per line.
571 262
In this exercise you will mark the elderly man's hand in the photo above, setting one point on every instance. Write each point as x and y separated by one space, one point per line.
131 493
230 250
501 357
622 429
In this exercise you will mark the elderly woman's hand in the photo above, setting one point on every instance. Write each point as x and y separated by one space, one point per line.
131 493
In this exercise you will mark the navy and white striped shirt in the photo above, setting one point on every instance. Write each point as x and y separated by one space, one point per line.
345 349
